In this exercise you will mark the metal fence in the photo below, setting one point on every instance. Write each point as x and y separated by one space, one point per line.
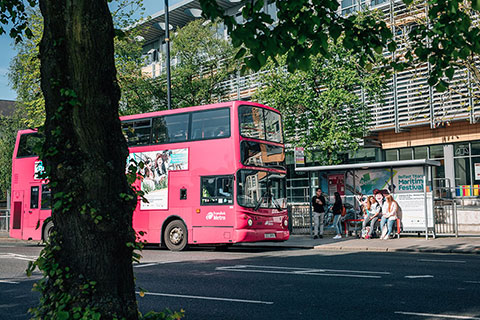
299 214
4 219
445 216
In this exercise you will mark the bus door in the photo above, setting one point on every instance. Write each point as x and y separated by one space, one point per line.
31 214
17 214
214 221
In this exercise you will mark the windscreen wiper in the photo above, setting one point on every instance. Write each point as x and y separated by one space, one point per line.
276 204
260 201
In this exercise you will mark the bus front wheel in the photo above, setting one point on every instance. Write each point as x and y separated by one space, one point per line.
47 230
175 236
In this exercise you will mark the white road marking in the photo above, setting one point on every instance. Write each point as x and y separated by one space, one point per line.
204 298
8 281
446 261
304 271
307 269
419 276
447 316
145 265
153 264
17 256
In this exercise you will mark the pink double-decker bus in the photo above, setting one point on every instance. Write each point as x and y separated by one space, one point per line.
212 174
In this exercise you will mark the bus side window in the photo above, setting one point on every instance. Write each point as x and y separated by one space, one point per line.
217 190
46 198
172 128
211 124
34 197
138 132
28 144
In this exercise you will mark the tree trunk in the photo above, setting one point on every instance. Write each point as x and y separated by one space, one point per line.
85 156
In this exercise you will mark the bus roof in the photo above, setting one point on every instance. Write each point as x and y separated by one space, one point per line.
196 108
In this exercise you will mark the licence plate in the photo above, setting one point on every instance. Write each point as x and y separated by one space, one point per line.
270 235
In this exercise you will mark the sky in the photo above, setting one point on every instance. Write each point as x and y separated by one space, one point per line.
7 51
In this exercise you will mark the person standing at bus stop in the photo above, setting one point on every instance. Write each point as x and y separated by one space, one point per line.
337 215
318 202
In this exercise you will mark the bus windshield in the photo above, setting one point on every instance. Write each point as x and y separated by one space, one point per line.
260 123
262 155
261 189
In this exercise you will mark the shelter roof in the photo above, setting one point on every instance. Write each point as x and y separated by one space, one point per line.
373 165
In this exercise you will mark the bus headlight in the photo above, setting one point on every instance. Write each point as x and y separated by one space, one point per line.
250 222
285 223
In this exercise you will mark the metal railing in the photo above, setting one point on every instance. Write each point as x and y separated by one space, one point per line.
299 215
4 219
445 217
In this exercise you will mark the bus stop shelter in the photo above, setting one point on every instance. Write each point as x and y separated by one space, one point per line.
406 180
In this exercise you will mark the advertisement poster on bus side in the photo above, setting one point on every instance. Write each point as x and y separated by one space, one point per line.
156 166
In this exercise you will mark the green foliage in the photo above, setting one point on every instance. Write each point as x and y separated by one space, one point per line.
167 314
321 110
204 61
304 25
24 72
8 133
14 12
57 302
301 33
448 37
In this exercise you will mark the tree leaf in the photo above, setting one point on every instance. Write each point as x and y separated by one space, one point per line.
449 72
240 54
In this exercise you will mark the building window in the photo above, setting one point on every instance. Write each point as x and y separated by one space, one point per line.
462 171
420 152
436 152
467 168
391 155
406 154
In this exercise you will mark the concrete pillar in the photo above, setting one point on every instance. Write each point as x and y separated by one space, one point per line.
449 165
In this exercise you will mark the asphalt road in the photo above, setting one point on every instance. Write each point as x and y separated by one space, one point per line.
260 283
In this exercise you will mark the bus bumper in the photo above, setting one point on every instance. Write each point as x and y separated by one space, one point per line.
247 235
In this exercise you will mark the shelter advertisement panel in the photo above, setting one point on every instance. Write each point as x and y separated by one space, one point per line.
407 186
412 210
155 169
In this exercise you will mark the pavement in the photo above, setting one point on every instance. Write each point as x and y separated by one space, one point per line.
467 244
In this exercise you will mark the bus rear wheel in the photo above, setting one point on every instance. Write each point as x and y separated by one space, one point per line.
47 230
175 236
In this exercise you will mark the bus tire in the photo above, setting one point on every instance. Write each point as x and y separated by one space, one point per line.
175 236
47 230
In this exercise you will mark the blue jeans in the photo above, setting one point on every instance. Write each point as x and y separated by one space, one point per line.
336 223
389 225
366 221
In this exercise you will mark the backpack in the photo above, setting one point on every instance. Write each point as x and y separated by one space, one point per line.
365 232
